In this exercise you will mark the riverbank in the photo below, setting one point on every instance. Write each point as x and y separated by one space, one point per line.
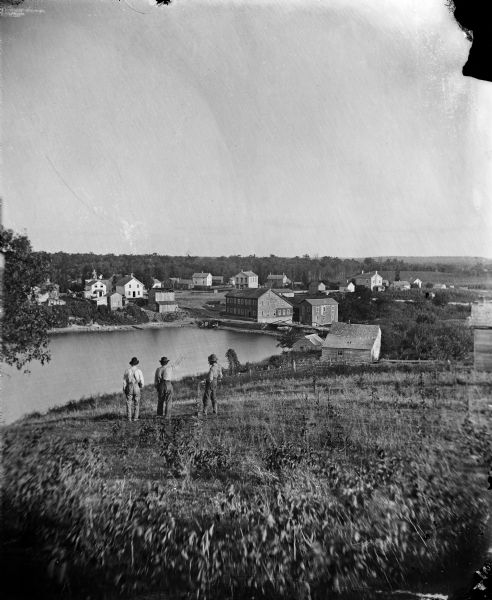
189 322
296 486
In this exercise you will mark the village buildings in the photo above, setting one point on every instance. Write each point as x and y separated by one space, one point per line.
400 285
318 312
352 343
130 287
261 305
246 279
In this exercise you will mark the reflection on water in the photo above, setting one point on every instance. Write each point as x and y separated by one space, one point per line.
85 364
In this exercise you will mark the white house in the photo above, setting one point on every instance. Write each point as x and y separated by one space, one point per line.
202 279
416 282
95 288
130 287
370 280
350 287
246 279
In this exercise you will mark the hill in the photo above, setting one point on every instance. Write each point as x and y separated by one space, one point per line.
306 483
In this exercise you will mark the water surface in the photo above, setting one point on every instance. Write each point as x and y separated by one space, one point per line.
85 364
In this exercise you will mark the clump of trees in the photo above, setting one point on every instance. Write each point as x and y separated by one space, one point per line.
25 325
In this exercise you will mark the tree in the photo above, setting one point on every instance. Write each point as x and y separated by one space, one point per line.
233 361
25 324
288 338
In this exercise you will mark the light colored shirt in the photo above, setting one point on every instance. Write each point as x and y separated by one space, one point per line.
164 373
133 375
215 372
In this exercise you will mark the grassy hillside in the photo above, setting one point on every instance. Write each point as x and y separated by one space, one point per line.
304 484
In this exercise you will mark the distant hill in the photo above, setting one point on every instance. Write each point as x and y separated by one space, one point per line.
465 261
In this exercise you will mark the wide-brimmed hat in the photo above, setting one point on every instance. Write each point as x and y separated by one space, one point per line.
213 358
134 361
164 360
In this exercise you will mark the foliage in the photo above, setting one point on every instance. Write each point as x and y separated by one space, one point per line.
289 497
233 361
289 337
25 324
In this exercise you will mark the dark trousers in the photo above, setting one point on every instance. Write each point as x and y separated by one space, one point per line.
210 393
164 398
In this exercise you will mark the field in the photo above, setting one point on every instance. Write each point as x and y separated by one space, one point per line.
337 480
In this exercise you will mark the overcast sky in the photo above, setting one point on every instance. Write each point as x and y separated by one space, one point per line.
330 127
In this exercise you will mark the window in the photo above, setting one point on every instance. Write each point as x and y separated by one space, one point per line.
340 353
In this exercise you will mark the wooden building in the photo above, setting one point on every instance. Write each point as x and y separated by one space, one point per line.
162 300
130 287
481 321
318 311
352 343
261 305
246 279
202 279
369 280
308 342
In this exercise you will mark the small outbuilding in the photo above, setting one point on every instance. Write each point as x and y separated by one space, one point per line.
308 342
348 342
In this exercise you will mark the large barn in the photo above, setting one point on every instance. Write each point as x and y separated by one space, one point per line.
352 343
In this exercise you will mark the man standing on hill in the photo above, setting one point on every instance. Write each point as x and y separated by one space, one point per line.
213 377
133 381
164 375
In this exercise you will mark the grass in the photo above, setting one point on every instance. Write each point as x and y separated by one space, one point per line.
361 477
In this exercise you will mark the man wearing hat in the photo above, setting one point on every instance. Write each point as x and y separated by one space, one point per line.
133 381
162 382
213 377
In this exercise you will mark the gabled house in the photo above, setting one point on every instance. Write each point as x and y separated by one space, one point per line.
246 279
95 288
370 280
277 281
261 305
350 287
202 279
308 342
318 311
316 286
416 282
217 280
48 293
352 343
130 287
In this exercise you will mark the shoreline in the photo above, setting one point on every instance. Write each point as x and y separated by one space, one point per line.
152 325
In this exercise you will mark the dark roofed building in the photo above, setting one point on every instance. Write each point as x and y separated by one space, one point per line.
258 304
352 343
481 321
318 311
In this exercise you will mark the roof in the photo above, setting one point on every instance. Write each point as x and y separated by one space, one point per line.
127 279
368 274
201 274
247 273
351 336
248 293
93 281
313 338
320 301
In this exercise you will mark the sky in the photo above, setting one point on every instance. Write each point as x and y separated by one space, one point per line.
328 127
